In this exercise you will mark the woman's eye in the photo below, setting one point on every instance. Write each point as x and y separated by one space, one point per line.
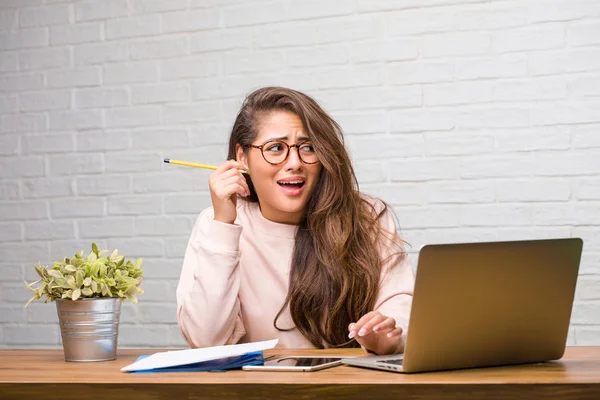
307 147
276 147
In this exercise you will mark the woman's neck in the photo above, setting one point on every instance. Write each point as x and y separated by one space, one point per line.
280 217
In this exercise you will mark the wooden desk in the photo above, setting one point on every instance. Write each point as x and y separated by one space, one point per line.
43 374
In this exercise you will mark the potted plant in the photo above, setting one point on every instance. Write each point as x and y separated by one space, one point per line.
88 293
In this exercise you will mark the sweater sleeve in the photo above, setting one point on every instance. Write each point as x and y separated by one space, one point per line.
397 281
208 307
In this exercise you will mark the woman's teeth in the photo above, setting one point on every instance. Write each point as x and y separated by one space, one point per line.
295 183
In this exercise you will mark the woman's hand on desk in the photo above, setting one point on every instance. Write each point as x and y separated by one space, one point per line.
376 332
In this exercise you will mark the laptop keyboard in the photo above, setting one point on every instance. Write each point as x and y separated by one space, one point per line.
392 361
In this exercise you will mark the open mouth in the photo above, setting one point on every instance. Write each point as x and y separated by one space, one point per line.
296 184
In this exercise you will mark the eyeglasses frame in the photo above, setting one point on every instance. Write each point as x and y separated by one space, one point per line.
289 148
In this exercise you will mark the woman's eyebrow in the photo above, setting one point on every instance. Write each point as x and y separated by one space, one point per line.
282 138
277 138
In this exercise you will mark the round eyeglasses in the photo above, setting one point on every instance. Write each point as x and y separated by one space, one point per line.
276 152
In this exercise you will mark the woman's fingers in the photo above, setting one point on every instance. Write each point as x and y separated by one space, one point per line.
229 164
376 332
354 327
232 185
225 184
367 328
387 325
395 332
374 322
365 324
225 170
231 172
226 175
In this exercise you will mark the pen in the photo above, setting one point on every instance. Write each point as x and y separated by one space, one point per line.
195 165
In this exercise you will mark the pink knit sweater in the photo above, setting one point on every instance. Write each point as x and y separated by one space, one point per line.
235 278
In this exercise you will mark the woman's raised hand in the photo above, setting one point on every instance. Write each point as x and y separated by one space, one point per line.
225 184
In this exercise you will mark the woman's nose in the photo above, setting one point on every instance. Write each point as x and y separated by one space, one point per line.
293 161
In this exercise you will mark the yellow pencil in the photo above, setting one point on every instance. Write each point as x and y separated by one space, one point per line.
195 165
190 164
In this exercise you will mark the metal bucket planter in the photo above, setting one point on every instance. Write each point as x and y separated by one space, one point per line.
89 328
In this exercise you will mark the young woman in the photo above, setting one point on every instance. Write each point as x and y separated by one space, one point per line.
290 248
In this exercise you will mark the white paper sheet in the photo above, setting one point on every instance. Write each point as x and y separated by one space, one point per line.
189 356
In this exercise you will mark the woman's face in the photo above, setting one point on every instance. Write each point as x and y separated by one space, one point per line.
284 189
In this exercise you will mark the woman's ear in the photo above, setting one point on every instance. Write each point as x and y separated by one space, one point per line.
240 156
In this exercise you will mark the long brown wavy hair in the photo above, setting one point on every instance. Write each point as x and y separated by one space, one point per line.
336 263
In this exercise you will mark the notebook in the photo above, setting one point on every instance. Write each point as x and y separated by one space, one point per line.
487 304
204 359
221 364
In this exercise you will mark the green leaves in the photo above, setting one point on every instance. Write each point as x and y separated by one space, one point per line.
71 282
91 258
70 268
86 277
55 274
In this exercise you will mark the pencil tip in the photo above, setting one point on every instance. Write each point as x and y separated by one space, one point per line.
167 160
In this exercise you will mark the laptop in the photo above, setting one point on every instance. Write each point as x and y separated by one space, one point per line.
487 304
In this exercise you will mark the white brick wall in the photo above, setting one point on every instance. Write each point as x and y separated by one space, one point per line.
474 119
